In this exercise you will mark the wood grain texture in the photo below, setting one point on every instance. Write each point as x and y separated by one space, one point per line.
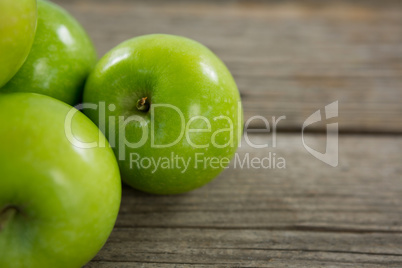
307 215
288 58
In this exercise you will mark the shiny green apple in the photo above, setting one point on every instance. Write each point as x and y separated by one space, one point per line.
59 193
171 110
17 32
61 57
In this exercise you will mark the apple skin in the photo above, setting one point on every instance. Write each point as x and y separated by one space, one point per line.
17 32
166 69
67 198
61 57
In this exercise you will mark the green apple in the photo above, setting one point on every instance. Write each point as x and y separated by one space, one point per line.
59 197
61 57
17 32
170 109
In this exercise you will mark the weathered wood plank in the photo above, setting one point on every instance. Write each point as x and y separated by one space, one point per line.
307 215
288 58
249 248
362 193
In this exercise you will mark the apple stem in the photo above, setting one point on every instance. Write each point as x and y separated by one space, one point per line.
6 214
143 104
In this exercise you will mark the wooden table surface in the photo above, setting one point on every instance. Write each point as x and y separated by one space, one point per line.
288 58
